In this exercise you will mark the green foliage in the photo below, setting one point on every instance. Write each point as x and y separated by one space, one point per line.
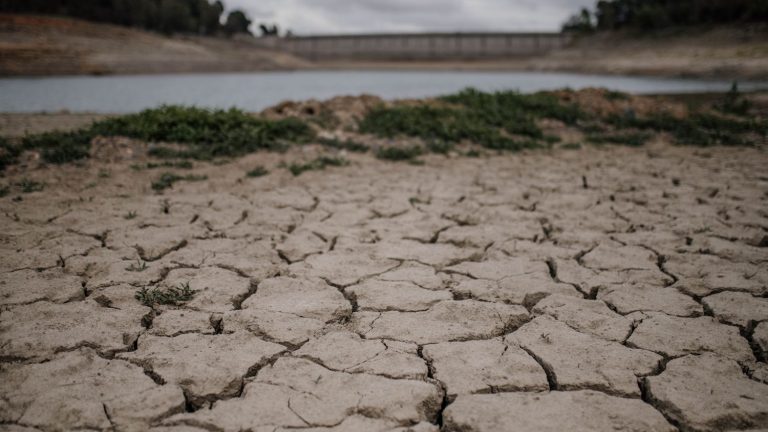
9 153
399 153
167 16
139 266
258 171
349 145
204 134
130 215
319 163
172 296
167 180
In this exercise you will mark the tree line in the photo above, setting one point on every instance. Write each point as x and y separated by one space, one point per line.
202 17
657 14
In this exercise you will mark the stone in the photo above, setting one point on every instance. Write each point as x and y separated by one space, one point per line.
207 367
41 329
484 366
446 321
29 286
79 390
737 308
306 298
577 361
675 337
378 295
575 411
709 392
348 352
284 328
297 393
626 299
587 316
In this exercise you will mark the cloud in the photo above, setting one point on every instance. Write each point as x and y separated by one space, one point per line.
388 16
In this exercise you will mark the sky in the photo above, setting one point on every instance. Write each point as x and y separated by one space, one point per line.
310 17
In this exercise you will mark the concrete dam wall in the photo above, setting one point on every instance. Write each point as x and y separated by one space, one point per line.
428 46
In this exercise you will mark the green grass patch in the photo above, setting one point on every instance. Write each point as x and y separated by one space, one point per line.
172 296
319 163
167 180
9 153
258 171
205 134
399 153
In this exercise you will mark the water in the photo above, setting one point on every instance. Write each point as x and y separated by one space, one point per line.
256 91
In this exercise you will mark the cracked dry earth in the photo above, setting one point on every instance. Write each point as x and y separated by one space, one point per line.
594 290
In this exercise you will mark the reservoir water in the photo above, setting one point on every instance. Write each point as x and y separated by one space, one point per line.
256 91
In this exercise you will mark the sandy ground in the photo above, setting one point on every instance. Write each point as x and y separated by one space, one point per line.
31 45
598 289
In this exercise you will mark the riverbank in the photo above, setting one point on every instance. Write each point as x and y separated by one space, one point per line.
34 45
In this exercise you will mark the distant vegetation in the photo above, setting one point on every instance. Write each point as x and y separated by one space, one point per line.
657 14
167 16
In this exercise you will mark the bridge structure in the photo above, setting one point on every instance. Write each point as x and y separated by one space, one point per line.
419 46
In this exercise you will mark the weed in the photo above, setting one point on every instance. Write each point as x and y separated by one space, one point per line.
138 266
167 180
399 153
9 153
29 186
172 296
349 145
204 133
319 163
258 171
130 215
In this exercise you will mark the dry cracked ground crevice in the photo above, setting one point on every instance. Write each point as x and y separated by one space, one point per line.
393 297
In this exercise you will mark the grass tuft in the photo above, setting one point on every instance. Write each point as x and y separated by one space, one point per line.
172 296
319 163
399 153
258 171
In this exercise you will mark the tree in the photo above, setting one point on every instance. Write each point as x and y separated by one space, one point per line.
237 22
581 23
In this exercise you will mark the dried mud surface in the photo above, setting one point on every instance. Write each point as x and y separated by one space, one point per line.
586 290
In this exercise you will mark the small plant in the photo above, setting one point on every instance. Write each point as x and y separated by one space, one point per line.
138 266
172 296
258 171
29 186
319 163
399 153
167 180
130 215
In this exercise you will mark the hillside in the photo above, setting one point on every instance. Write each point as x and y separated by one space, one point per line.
35 45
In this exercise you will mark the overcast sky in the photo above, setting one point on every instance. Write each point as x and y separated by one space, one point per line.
380 16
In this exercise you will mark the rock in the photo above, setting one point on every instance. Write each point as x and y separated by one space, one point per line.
296 393
78 390
675 337
29 286
217 290
737 308
575 411
41 329
380 295
347 267
587 316
708 392
207 367
484 366
446 321
525 290
179 321
284 328
307 298
626 299
347 352
576 361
